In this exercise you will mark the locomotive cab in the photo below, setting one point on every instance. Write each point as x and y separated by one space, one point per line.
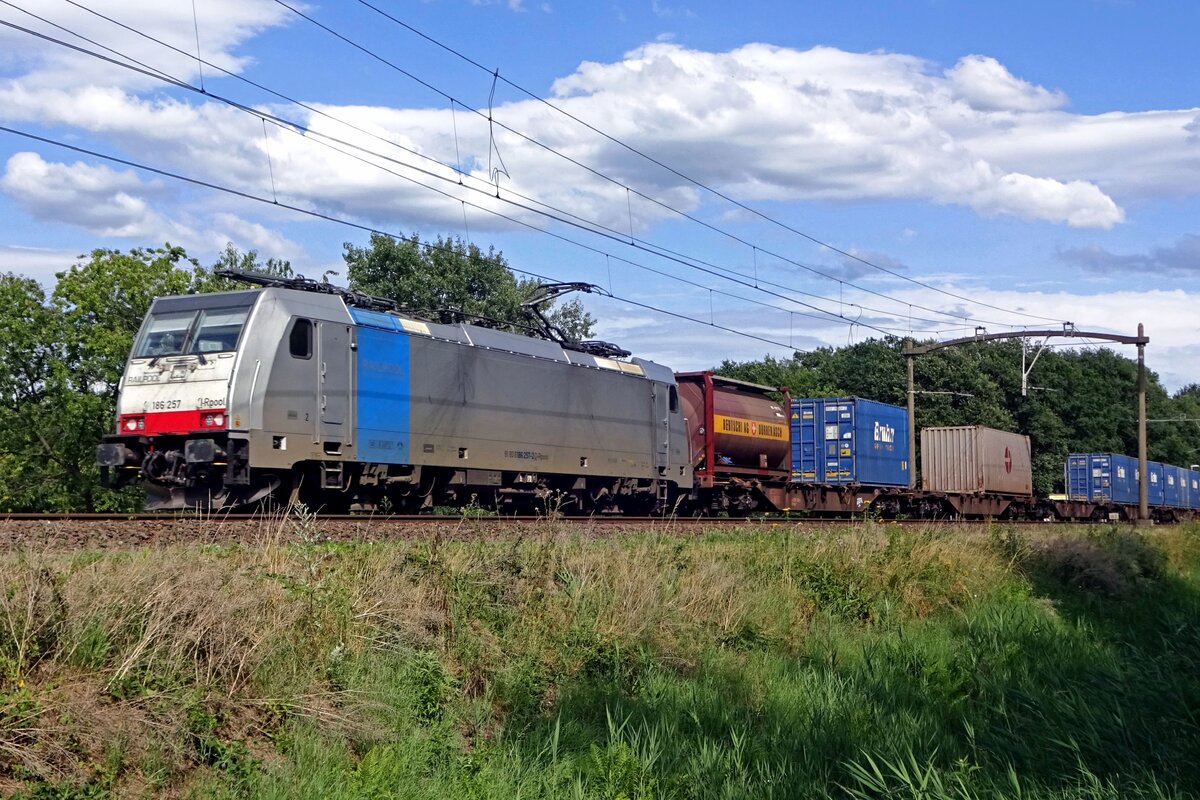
173 408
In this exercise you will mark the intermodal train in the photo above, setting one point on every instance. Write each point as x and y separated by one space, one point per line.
300 391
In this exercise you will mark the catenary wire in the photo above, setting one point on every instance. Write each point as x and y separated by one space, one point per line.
692 218
646 246
637 242
587 225
357 225
699 184
594 228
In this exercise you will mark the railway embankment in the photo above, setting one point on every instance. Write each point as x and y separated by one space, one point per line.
762 660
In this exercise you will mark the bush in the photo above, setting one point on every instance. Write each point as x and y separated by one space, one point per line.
1110 562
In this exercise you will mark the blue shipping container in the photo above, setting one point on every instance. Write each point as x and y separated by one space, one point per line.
1110 478
842 440
1194 488
1155 494
1078 478
1175 486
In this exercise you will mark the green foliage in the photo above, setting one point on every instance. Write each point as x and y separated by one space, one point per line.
230 757
452 276
1110 562
841 590
232 258
428 686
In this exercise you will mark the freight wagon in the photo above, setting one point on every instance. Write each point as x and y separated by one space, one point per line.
978 471
738 441
849 455
1110 483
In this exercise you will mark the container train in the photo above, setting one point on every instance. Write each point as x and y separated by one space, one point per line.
300 391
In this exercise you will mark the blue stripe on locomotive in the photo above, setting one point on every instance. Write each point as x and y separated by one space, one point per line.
383 389
843 440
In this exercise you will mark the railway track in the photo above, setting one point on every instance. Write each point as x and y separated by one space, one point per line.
483 519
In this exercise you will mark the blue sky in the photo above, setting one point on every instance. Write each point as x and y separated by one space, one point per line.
1010 164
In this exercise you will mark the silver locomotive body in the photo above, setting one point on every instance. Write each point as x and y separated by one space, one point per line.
231 397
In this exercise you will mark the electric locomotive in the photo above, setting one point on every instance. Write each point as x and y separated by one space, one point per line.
299 390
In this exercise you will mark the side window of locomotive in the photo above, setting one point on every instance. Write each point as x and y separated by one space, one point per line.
673 399
300 340
218 330
164 335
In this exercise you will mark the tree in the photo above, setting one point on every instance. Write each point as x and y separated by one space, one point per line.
449 277
233 258
800 380
59 371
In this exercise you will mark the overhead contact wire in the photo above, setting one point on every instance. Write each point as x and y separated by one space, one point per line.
589 225
690 217
576 222
699 184
340 221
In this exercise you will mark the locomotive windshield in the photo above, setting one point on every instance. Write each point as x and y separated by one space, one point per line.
164 335
201 331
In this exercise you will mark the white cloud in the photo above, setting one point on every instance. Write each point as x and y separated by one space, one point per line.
117 203
512 5
1078 203
246 235
759 122
222 26
108 202
987 86
39 263
774 123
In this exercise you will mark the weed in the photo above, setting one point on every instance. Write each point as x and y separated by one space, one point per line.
230 757
32 614
428 686
841 590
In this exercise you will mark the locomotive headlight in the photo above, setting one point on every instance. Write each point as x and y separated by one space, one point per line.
141 423
131 424
212 419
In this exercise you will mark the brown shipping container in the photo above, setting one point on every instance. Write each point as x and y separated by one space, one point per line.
972 459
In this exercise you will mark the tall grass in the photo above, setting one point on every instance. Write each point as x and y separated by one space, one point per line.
773 661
